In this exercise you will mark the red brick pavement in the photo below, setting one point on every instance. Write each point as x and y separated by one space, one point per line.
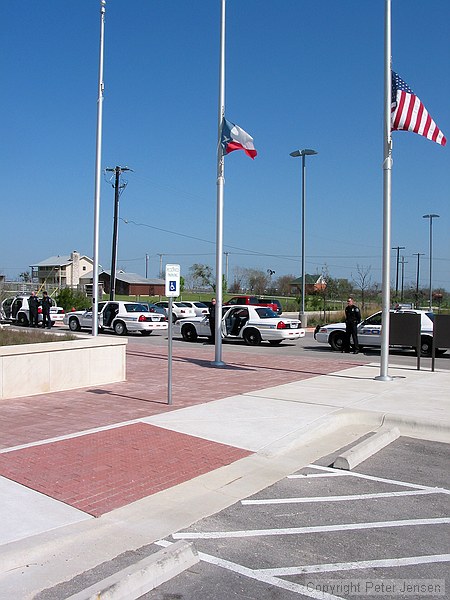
195 381
101 471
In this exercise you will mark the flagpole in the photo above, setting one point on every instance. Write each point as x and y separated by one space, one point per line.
220 185
387 171
98 158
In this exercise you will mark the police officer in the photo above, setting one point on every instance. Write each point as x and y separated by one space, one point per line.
352 320
212 320
46 304
33 305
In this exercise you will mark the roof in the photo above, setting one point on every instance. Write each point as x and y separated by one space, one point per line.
58 261
309 279
131 278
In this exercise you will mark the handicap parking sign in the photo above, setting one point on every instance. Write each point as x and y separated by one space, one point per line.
172 281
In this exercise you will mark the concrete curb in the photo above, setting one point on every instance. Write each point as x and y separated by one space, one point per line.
365 449
138 579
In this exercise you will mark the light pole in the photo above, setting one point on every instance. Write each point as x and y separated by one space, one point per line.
303 154
431 217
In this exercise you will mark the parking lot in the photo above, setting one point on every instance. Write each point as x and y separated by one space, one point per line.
380 530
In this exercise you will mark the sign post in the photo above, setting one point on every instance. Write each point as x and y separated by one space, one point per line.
172 291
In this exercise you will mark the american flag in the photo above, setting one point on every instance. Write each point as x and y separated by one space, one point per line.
409 114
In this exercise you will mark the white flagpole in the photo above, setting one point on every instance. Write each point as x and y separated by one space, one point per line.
220 184
98 159
387 168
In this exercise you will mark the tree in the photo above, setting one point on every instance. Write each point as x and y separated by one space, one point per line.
283 284
25 276
257 281
202 276
363 282
238 280
69 298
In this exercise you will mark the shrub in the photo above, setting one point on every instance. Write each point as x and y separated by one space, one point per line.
68 299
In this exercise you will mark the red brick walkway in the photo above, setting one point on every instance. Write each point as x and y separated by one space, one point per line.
100 471
195 381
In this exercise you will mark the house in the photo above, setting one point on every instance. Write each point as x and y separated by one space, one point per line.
62 271
313 284
132 284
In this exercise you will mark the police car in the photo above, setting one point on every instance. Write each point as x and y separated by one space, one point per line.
369 331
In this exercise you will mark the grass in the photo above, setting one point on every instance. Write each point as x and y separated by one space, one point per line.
11 337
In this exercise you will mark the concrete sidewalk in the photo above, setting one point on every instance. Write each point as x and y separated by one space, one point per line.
89 474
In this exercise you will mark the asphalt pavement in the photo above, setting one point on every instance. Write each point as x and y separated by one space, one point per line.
88 475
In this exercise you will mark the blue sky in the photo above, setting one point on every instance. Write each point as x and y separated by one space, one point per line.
298 75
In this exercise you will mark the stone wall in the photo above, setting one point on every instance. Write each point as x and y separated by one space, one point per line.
30 369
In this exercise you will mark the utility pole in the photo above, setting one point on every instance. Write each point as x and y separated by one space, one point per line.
403 275
117 187
226 267
146 266
418 254
398 248
161 274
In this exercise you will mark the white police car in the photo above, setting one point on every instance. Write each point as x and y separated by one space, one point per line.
369 331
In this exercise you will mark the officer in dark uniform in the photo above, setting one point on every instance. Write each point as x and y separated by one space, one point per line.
46 304
212 320
352 320
33 305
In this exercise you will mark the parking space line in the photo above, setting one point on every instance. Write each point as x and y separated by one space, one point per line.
260 575
379 479
362 564
312 529
339 498
317 475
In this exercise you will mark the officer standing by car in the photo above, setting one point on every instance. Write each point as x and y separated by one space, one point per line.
33 305
46 304
212 319
352 320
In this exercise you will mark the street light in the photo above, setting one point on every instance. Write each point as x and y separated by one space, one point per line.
303 154
431 217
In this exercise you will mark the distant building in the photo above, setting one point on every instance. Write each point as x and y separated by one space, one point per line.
132 284
62 271
313 284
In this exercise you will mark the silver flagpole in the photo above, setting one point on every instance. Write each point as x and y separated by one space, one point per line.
387 168
98 159
220 184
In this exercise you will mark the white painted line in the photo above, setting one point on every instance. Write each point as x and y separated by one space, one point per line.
314 529
339 498
362 564
142 577
316 475
260 575
383 480
70 436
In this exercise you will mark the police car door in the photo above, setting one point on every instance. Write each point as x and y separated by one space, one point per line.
369 331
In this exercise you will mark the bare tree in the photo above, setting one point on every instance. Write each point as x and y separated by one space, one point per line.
257 281
238 280
283 284
363 282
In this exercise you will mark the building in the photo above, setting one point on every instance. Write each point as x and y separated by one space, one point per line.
62 271
132 284
313 284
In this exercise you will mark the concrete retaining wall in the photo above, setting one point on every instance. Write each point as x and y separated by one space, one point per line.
30 369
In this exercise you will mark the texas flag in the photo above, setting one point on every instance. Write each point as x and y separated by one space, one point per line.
235 138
